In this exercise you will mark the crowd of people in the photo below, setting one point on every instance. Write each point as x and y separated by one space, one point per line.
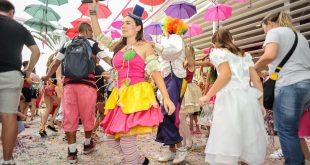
152 88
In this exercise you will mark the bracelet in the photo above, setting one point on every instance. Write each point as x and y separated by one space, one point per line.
92 12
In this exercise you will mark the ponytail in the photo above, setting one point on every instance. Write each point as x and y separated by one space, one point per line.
281 18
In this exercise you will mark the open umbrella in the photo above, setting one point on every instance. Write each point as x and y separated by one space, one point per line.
42 12
54 2
147 37
193 30
218 12
102 12
182 10
117 24
77 22
39 25
129 10
154 29
114 33
206 51
152 2
72 32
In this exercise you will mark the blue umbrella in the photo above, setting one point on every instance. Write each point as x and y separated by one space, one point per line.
54 2
182 10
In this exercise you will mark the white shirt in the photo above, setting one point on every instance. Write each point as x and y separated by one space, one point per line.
297 68
171 55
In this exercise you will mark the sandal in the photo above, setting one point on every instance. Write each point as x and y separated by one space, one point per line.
52 128
42 133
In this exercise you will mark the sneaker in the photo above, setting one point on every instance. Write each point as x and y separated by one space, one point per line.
72 157
180 155
277 154
11 162
89 148
167 157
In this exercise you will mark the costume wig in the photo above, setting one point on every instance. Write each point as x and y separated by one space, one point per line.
173 26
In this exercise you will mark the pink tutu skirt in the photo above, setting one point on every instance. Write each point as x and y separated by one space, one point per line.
118 124
304 124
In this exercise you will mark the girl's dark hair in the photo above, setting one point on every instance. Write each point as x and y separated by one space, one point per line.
123 42
223 39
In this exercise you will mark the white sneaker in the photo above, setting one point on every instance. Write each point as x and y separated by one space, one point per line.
180 155
167 157
277 154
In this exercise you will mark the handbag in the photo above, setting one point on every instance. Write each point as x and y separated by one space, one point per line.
270 84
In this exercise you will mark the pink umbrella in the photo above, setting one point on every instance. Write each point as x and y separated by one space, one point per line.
193 30
77 22
206 51
114 33
218 12
117 24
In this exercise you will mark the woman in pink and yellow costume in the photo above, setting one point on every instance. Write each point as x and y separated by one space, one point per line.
132 108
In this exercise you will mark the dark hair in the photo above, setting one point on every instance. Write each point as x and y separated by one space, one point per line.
225 40
84 26
6 6
123 42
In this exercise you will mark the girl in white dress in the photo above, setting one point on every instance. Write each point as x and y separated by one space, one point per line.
237 132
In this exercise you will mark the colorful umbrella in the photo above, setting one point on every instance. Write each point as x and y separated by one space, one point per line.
42 12
54 2
218 12
193 30
152 2
77 22
102 12
206 51
147 37
129 10
117 24
154 29
72 32
39 25
182 10
114 33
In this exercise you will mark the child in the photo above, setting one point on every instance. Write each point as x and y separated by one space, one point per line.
238 132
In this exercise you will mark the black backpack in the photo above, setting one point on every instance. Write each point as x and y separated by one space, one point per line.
78 61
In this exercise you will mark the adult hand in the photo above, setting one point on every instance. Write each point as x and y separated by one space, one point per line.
27 73
169 106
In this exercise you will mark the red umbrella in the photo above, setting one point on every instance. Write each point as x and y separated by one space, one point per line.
103 10
129 10
152 2
77 22
72 32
